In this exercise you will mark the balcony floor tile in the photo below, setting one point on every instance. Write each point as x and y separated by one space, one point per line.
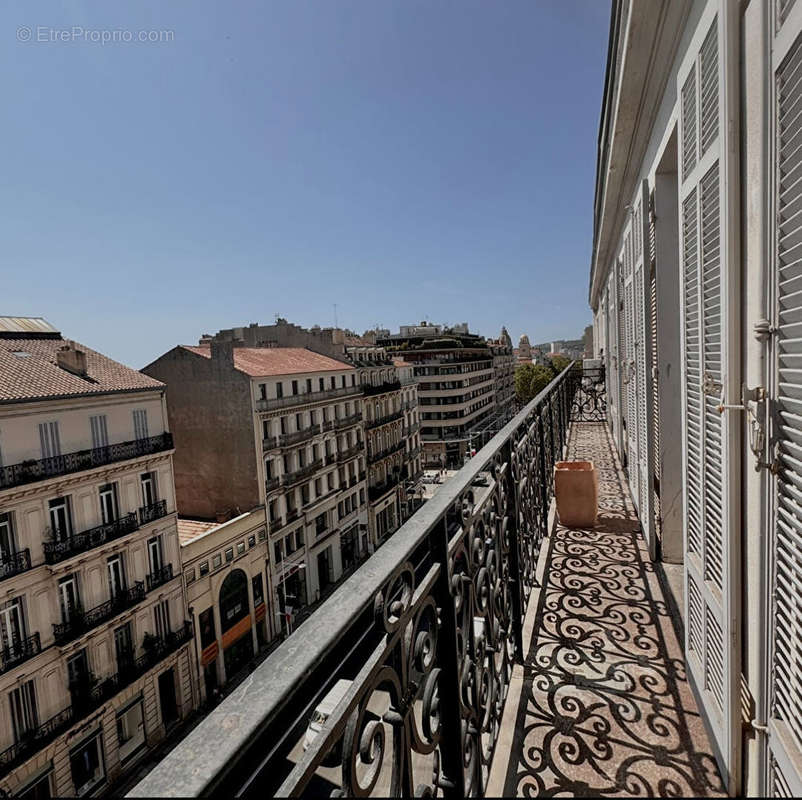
602 705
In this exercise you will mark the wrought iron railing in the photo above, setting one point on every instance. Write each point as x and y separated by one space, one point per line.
93 694
271 484
308 397
80 621
14 563
388 386
290 478
296 437
590 395
38 469
427 632
19 650
380 489
346 422
159 577
60 550
351 452
375 423
388 451
153 511
269 443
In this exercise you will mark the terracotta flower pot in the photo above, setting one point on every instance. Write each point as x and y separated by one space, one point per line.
576 488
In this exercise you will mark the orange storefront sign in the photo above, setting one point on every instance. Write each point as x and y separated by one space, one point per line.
209 654
259 612
239 630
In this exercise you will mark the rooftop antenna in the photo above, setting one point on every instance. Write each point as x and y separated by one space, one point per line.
335 316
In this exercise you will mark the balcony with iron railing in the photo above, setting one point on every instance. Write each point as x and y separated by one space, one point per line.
89 694
369 390
42 468
270 443
291 478
152 512
297 437
347 422
18 650
159 577
269 404
379 490
271 484
387 418
14 563
60 549
349 453
487 649
79 621
387 452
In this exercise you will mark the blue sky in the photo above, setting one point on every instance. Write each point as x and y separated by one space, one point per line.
403 159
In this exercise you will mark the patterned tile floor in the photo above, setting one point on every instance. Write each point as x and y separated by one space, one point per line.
605 708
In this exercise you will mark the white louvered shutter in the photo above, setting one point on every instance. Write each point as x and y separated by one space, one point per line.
642 372
630 370
785 724
711 454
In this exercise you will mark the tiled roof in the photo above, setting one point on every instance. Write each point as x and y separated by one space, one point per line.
191 529
263 362
28 371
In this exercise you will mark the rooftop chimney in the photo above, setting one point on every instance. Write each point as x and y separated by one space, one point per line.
222 352
72 359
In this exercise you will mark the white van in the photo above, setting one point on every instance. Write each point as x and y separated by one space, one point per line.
324 709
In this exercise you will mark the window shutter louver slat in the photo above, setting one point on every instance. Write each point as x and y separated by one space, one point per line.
710 341
786 594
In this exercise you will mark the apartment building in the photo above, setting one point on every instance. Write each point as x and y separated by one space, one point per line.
411 487
95 663
227 576
278 427
456 388
385 445
695 290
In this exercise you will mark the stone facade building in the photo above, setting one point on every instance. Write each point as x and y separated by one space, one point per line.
279 427
456 378
228 583
95 664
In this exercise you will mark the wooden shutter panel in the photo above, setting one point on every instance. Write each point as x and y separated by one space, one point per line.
711 367
785 724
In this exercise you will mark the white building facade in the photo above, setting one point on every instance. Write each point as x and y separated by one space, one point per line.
695 286
94 663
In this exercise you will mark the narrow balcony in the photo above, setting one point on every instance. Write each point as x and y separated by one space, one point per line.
349 453
308 397
269 443
91 695
82 621
19 650
375 423
271 484
56 551
14 563
380 489
488 651
40 469
158 578
152 512
347 422
369 390
387 452
291 478
296 437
